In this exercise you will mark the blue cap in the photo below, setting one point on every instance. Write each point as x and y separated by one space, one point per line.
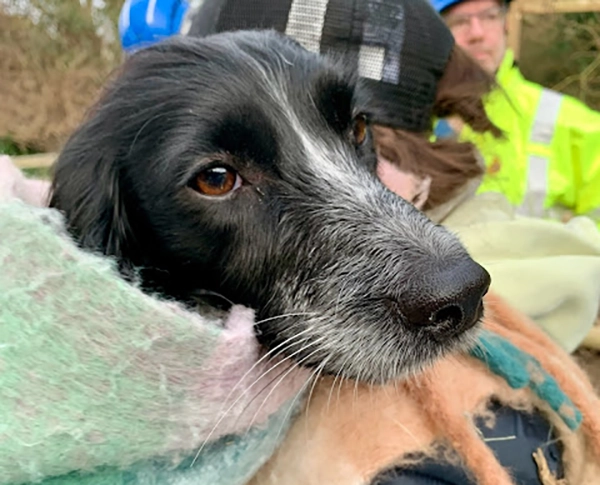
145 22
440 5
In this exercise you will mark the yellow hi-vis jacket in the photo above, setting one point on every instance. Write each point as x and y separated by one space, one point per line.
548 164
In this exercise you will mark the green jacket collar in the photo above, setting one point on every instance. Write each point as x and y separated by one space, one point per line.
507 72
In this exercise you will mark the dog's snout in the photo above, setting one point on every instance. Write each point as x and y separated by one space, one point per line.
449 299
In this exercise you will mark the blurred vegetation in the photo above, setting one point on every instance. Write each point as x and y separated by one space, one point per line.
54 57
9 147
56 54
563 52
38 173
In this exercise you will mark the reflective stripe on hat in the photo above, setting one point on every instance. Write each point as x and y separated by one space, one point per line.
305 23
542 133
370 61
379 61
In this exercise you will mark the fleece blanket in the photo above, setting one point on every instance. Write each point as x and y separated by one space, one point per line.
101 384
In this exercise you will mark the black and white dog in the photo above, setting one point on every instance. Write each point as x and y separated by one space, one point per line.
239 165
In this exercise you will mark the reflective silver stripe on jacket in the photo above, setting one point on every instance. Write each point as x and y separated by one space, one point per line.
542 132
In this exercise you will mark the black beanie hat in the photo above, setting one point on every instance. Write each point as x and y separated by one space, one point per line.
400 47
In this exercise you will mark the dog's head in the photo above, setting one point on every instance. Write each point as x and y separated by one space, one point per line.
238 165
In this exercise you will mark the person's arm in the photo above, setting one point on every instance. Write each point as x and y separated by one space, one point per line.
579 127
14 185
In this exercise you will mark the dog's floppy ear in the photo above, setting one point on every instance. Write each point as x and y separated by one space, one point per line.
93 183
87 189
90 183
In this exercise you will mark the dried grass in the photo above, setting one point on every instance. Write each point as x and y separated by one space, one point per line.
47 85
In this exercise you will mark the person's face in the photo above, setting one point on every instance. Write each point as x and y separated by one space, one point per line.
479 27
407 185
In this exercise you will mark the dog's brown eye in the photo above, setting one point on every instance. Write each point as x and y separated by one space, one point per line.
359 129
216 181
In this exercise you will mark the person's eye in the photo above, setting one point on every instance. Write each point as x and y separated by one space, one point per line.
459 22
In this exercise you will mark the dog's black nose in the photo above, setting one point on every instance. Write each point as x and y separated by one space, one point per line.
449 298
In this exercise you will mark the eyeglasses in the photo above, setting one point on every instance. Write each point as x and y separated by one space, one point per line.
488 18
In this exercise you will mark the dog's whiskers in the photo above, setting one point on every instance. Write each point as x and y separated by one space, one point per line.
281 380
341 379
314 375
285 315
291 408
201 293
292 360
269 354
282 372
241 396
294 366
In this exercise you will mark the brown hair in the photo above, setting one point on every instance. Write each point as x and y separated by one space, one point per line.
461 90
449 163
